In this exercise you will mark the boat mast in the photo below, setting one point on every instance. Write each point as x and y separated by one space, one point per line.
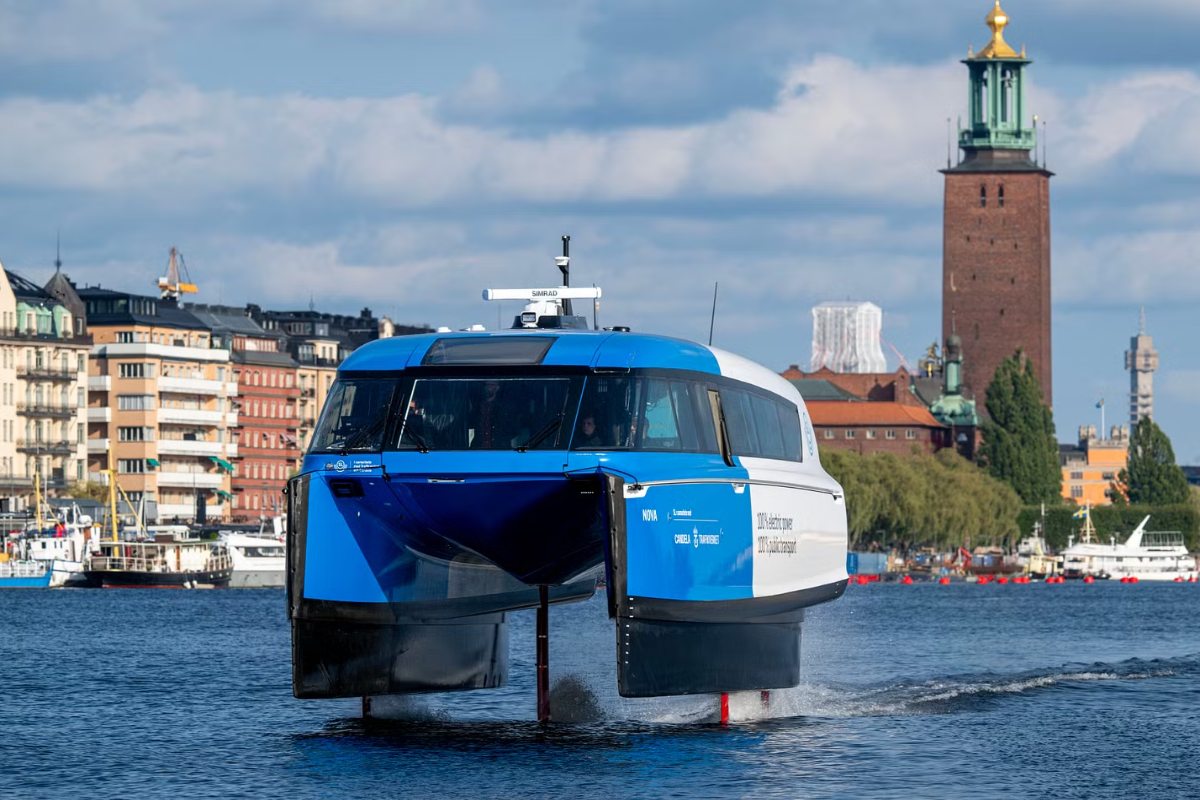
112 492
37 495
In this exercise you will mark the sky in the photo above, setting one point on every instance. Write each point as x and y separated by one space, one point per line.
403 155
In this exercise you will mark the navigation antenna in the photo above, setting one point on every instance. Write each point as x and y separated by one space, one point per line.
549 307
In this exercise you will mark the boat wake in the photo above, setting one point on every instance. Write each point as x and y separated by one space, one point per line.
961 692
574 700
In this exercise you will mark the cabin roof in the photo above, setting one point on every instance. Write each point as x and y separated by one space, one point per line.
594 349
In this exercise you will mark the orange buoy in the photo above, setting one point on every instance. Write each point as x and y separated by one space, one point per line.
1089 579
1002 580
906 580
944 580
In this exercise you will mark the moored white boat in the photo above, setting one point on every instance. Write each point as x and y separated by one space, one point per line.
1145 555
258 560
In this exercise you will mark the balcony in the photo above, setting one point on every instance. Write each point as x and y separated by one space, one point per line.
189 416
47 373
46 410
192 386
100 414
170 511
44 338
99 383
97 446
60 448
185 447
308 391
142 349
187 480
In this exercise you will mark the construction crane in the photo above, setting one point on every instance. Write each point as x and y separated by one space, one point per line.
899 355
170 285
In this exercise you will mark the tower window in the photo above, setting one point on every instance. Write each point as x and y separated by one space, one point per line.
983 196
1000 195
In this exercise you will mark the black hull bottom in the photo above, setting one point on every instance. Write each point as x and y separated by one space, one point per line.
351 659
667 658
129 579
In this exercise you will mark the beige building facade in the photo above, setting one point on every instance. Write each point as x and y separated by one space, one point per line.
43 394
161 406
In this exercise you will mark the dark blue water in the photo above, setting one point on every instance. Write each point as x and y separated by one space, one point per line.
950 691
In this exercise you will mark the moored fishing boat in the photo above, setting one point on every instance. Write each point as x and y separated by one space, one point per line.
170 560
454 477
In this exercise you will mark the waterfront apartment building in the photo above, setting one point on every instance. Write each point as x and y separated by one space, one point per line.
161 404
268 399
43 393
318 342
1090 469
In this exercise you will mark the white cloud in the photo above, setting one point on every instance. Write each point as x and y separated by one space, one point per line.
1129 267
823 137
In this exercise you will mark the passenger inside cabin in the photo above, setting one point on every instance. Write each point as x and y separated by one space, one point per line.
588 436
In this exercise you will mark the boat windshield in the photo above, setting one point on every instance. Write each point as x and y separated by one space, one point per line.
355 416
489 413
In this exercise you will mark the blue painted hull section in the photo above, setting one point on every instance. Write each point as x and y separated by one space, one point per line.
691 542
26 583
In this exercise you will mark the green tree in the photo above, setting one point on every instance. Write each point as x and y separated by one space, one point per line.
88 489
1019 445
1151 476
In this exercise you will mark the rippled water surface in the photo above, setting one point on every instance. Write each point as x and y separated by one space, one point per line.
924 690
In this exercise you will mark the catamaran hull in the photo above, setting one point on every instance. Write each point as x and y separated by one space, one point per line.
403 584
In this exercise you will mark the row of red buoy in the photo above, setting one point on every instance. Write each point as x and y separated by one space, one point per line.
983 580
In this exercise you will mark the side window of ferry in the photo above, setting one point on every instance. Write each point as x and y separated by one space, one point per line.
770 433
789 424
646 414
739 422
761 427
695 417
660 428
355 415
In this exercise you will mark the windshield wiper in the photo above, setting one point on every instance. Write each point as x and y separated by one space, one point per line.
541 435
363 436
409 433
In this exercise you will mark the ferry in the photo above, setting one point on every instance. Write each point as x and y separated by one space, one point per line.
1145 555
454 477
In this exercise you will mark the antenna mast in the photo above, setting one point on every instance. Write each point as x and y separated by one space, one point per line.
564 266
712 321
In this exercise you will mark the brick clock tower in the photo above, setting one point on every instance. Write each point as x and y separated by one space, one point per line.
996 244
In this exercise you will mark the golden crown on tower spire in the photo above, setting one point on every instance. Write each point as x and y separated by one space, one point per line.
997 20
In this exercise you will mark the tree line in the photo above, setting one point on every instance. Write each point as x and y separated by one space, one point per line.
946 501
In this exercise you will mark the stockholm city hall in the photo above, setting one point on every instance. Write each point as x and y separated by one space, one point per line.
996 237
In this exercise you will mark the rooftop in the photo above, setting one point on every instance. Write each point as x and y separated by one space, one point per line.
841 413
